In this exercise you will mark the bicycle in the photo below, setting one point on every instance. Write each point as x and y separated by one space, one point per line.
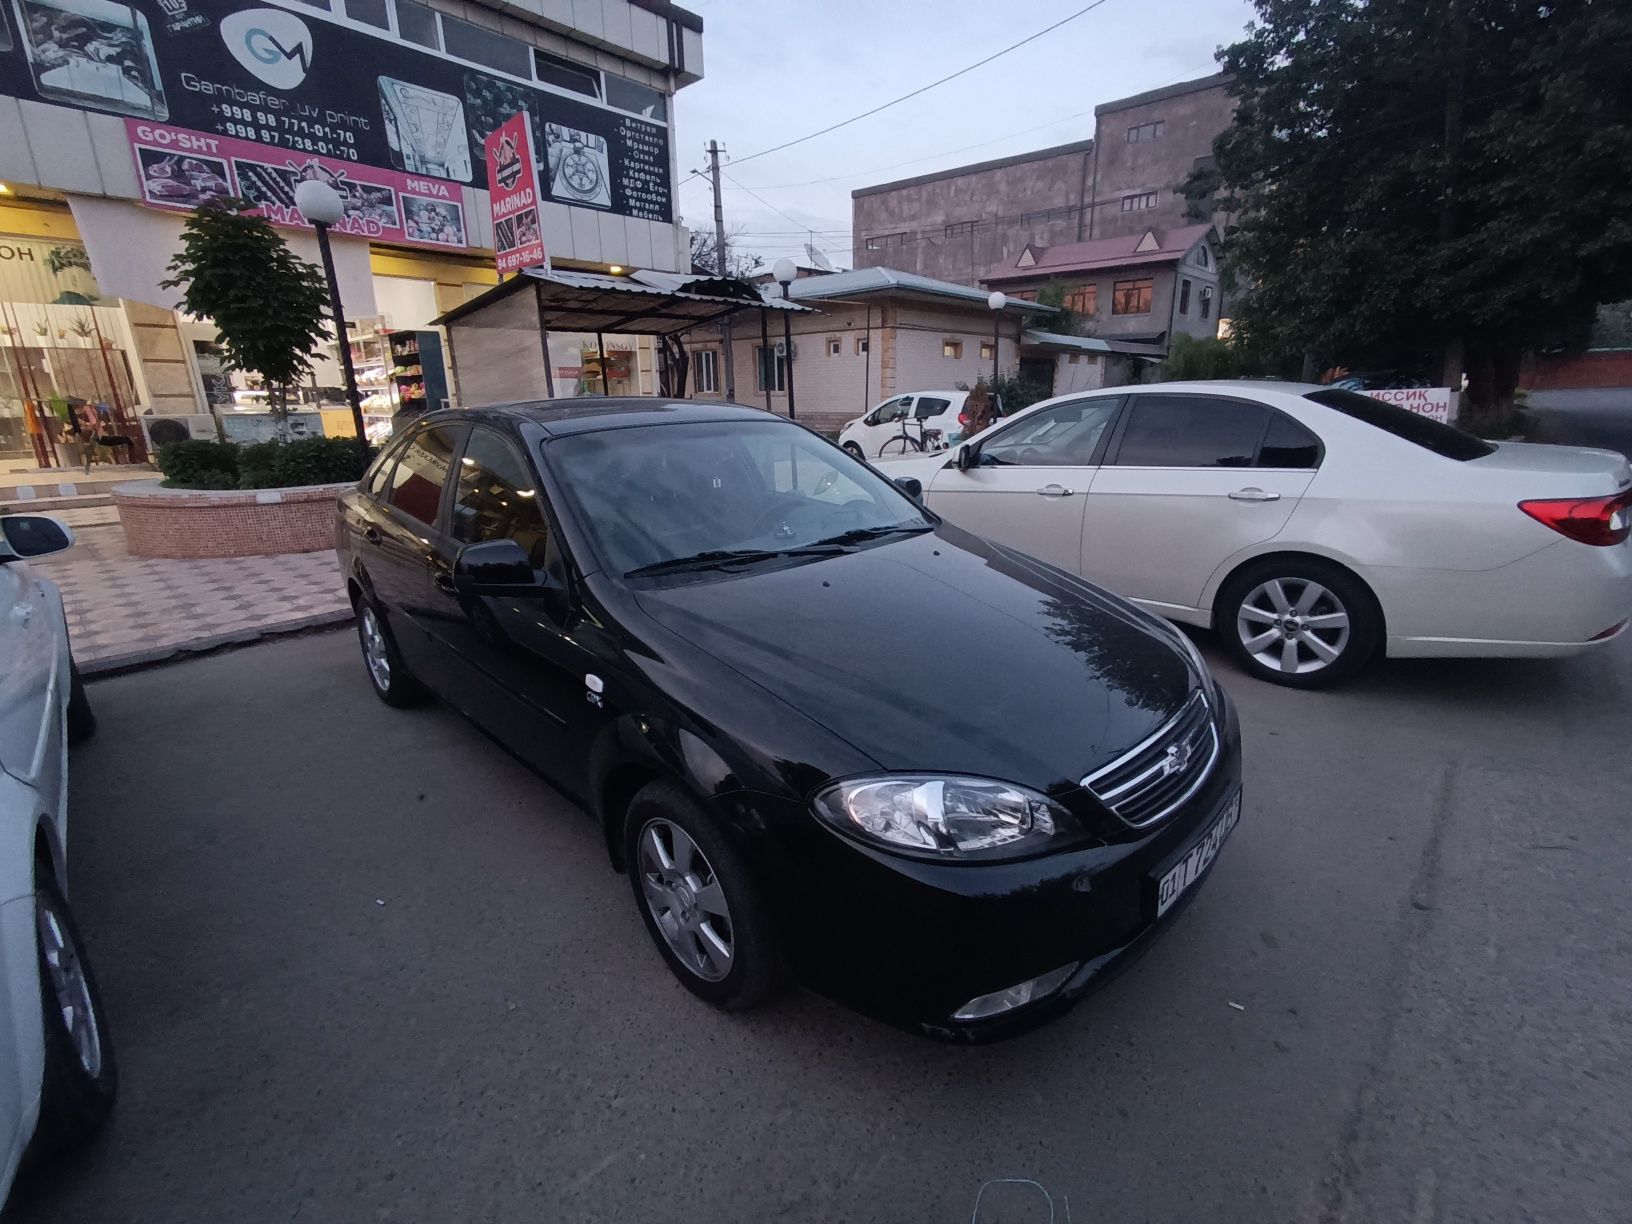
930 440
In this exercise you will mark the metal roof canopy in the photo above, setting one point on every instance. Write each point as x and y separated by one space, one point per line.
641 303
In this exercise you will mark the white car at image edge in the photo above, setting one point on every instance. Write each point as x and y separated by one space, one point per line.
1313 528
57 1077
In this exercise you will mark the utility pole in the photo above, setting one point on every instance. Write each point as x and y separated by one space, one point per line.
719 258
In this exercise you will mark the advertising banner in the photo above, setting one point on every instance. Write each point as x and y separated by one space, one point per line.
182 169
1432 402
309 86
512 166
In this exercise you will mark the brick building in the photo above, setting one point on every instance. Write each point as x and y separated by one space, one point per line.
956 224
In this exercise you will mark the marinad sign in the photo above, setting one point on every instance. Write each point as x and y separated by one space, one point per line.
182 169
512 171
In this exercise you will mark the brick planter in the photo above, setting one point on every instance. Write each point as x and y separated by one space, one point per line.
162 522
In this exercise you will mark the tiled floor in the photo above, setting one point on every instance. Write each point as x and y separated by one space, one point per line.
124 610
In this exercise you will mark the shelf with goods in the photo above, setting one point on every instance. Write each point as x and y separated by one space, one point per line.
416 371
371 363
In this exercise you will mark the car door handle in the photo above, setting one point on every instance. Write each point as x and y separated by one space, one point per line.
1053 490
1254 494
372 535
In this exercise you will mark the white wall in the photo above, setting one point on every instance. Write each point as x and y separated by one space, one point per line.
1085 373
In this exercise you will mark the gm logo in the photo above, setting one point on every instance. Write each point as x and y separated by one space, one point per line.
276 46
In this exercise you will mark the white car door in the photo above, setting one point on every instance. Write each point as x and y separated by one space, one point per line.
884 424
1028 486
29 647
1189 481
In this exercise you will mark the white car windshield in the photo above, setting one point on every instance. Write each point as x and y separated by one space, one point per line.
663 496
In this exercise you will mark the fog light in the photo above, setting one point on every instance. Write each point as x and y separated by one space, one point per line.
1034 991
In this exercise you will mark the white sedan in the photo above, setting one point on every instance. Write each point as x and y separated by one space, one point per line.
56 1068
1313 528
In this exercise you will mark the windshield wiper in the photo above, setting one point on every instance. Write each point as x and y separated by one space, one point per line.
858 534
718 558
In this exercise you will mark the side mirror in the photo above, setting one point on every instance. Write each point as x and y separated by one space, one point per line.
911 486
494 567
968 457
33 535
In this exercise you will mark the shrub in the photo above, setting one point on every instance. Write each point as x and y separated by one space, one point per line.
183 463
258 465
321 461
209 478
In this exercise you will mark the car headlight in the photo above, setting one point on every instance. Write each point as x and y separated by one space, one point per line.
939 815
1194 655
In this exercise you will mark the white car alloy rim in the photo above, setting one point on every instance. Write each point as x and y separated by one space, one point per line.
1293 625
685 900
379 663
70 991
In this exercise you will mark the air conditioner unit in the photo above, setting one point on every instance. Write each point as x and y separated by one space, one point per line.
177 428
783 350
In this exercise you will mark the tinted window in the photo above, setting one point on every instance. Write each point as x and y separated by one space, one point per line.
1288 445
1065 435
894 410
416 484
374 479
633 96
1422 431
497 498
1190 431
416 23
930 405
484 46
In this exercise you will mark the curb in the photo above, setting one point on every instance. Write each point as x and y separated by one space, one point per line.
141 660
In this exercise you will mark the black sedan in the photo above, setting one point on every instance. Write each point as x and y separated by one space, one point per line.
822 730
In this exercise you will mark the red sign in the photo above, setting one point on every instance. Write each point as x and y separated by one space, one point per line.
512 185
181 169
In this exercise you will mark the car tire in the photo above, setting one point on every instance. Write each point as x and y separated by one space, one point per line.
855 451
390 678
1300 622
704 909
80 1078
81 718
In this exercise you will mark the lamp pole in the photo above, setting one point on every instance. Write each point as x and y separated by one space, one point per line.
322 206
997 301
784 271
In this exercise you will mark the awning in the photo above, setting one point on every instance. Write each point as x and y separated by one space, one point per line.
642 303
1060 342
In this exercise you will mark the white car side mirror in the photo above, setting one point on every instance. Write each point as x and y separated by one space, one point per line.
32 535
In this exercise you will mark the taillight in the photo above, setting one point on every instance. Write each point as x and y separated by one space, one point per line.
1600 521
963 418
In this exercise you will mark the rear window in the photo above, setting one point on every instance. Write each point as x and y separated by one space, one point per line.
1423 431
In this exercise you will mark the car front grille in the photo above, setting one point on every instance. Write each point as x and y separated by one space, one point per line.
1152 779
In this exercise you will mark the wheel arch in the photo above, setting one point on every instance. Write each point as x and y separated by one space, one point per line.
1234 568
636 750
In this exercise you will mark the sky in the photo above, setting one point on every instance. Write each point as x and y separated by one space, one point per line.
779 69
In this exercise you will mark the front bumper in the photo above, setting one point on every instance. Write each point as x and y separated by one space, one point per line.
911 941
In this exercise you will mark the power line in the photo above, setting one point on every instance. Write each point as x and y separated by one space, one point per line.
921 89
762 200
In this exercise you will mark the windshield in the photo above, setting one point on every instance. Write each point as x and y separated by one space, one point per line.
663 493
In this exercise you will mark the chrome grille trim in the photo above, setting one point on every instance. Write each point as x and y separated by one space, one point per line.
1138 786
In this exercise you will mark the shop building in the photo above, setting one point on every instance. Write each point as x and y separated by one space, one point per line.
117 119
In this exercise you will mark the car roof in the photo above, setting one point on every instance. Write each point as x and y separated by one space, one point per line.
560 417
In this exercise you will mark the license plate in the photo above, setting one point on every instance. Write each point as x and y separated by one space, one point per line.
1190 868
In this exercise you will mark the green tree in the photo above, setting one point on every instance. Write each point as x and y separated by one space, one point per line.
1440 186
266 303
1191 357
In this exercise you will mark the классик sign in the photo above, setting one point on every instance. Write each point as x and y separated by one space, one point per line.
306 89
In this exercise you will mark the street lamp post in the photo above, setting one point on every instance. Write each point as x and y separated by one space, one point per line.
784 271
997 301
322 206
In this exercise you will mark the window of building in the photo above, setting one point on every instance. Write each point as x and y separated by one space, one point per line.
1146 131
1063 213
1206 302
1131 297
862 346
708 370
1191 431
1184 297
1204 257
1139 201
835 346
1023 295
1083 300
986 350
417 24
563 73
1074 358
369 12
496 498
416 483
952 348
480 45
961 227
636 98
879 242
770 369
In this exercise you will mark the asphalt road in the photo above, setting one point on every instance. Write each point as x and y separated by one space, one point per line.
1601 418
361 966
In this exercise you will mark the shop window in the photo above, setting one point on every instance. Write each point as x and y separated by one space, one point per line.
952 348
564 74
480 45
1132 297
636 98
369 12
835 346
770 370
417 24
708 370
